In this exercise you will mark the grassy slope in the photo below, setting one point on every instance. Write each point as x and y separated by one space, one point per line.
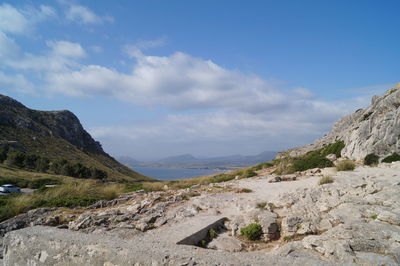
56 148
71 192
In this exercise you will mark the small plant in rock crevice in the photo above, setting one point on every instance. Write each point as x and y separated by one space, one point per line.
252 231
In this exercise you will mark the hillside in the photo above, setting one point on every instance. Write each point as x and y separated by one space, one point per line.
375 129
56 135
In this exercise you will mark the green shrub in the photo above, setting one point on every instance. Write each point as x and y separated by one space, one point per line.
311 161
367 115
16 159
222 178
371 159
212 233
252 231
249 173
3 153
244 190
334 148
261 205
325 180
391 158
346 165
374 216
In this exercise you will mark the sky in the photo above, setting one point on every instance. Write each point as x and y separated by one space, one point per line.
151 79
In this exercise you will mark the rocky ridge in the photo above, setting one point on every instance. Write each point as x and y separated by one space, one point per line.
375 129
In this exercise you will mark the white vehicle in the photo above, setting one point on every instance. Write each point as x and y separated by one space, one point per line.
8 188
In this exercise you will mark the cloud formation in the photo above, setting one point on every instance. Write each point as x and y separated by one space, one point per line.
208 106
22 21
82 14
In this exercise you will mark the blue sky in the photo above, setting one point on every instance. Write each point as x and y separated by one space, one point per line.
158 78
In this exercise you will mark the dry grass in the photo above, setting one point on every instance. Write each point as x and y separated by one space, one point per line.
325 180
345 165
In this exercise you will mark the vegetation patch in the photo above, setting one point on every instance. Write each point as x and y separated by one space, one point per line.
252 231
374 216
244 190
367 115
67 195
391 158
325 180
22 160
371 159
261 205
346 165
262 166
312 159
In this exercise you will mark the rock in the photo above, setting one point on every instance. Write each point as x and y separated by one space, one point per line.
269 225
371 130
389 217
226 243
291 177
290 225
37 216
331 157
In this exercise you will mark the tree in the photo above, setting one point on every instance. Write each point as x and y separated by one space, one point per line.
42 164
16 159
3 153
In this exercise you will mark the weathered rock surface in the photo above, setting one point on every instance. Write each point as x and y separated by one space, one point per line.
375 129
352 221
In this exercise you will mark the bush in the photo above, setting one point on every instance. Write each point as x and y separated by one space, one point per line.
3 153
334 148
325 180
222 178
311 161
346 165
252 231
391 158
16 159
212 233
249 173
261 205
371 159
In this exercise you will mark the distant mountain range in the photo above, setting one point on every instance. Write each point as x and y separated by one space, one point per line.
189 161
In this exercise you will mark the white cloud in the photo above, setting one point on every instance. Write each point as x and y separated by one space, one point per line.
12 21
237 109
179 82
16 82
84 15
66 49
22 21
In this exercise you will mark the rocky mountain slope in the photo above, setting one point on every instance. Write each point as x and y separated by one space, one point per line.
375 129
55 135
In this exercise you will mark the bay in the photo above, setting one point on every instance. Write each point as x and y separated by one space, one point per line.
174 173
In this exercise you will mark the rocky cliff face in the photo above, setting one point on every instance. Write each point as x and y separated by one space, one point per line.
375 129
63 124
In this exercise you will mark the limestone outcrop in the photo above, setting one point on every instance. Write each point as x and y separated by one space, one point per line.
353 221
375 129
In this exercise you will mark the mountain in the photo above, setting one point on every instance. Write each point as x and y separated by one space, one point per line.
189 161
56 135
375 129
